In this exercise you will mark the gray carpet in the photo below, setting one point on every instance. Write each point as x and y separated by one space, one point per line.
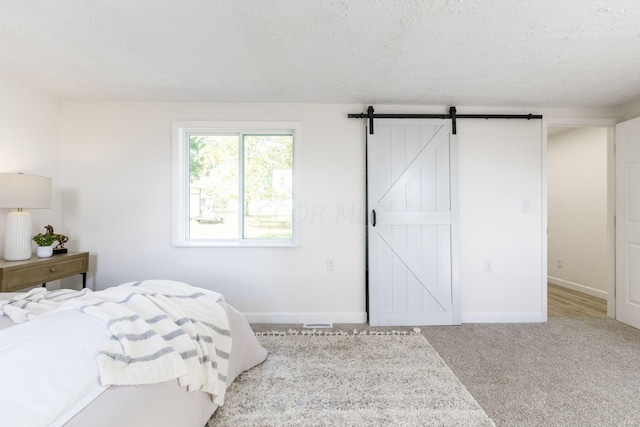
566 372
347 380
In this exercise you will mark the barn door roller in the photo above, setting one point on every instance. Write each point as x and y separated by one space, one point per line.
452 115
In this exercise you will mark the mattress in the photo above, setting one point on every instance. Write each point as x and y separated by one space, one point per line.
157 405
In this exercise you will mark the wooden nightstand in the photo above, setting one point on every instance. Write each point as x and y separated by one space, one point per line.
16 275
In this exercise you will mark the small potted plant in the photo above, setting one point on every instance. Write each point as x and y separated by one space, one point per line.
45 243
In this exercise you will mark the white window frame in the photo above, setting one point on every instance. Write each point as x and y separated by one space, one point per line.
180 185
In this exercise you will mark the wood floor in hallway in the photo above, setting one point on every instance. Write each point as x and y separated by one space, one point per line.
563 302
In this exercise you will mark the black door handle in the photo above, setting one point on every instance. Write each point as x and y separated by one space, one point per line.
373 217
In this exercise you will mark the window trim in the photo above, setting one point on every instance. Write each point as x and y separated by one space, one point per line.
180 180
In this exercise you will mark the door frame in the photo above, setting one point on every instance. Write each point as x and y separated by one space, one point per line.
577 122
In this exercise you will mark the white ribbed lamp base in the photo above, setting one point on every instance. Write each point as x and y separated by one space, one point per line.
17 245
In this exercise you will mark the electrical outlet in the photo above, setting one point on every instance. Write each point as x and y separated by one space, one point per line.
330 264
488 265
559 263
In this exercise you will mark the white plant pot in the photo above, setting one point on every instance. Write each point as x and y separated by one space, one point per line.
44 251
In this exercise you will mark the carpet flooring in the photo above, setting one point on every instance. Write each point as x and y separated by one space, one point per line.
349 380
565 372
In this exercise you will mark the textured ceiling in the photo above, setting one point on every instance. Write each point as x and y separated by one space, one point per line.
428 52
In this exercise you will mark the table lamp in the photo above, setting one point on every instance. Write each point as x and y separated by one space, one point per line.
19 191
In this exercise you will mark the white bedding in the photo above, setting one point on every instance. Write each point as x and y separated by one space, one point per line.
49 374
48 368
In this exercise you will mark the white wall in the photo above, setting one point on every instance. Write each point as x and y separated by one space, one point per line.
30 143
500 172
116 198
111 169
577 209
117 202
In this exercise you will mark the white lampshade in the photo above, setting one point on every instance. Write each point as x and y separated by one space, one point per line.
19 191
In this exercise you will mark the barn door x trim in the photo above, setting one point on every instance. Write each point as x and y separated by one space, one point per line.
452 115
412 229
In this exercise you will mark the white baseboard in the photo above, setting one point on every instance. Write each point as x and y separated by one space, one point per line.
477 317
578 287
483 317
306 317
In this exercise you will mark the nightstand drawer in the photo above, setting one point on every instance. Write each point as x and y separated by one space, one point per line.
39 271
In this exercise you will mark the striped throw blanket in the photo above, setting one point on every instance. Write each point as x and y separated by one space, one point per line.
160 330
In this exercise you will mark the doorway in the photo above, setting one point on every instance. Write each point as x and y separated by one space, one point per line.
580 212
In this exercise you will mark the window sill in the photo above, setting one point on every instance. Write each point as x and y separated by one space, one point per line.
235 244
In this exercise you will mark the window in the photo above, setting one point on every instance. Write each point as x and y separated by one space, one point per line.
235 184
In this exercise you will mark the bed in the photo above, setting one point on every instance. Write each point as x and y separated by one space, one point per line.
49 375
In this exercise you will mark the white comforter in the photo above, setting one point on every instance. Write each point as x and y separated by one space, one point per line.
64 336
48 368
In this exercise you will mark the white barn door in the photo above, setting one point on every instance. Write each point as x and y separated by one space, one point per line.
628 222
413 223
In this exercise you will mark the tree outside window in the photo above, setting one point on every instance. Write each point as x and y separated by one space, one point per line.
241 185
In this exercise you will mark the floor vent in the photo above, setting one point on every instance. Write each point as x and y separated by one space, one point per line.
317 325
